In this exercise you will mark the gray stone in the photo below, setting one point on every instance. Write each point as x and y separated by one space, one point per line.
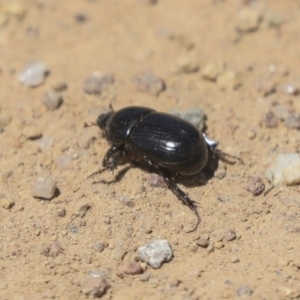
44 188
156 253
33 75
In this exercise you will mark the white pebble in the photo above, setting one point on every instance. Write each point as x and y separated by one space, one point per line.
285 169
44 188
156 253
33 75
290 89
45 143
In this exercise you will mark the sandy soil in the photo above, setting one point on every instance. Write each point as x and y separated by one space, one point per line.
49 246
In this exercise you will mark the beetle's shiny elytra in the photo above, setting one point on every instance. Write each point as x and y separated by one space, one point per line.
163 141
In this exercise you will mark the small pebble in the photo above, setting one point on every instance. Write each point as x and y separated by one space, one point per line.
185 41
149 83
32 133
129 268
235 260
52 250
267 87
99 247
273 19
185 64
15 9
83 209
95 83
33 75
285 169
156 253
7 174
251 135
194 115
156 180
94 286
80 18
229 80
63 161
255 185
211 247
72 152
52 100
126 200
5 119
244 291
119 253
270 120
44 188
281 111
213 70
229 235
7 204
290 89
74 229
248 20
59 86
61 212
96 273
292 121
219 245
45 143
202 242
144 277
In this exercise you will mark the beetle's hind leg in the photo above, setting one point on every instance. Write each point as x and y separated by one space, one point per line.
181 196
111 160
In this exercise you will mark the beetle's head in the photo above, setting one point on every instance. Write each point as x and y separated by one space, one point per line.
102 120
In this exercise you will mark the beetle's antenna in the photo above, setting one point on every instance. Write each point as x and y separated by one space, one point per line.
224 156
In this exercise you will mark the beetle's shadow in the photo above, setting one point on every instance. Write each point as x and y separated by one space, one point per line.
198 179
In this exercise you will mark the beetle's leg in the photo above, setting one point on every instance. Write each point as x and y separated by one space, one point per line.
181 196
111 160
112 157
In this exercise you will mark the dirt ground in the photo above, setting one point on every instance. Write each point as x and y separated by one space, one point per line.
48 247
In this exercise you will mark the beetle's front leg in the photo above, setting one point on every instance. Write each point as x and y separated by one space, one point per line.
111 160
181 196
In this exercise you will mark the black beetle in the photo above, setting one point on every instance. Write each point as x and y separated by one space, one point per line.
163 141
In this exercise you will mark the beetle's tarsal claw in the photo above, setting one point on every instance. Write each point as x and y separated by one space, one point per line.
198 221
